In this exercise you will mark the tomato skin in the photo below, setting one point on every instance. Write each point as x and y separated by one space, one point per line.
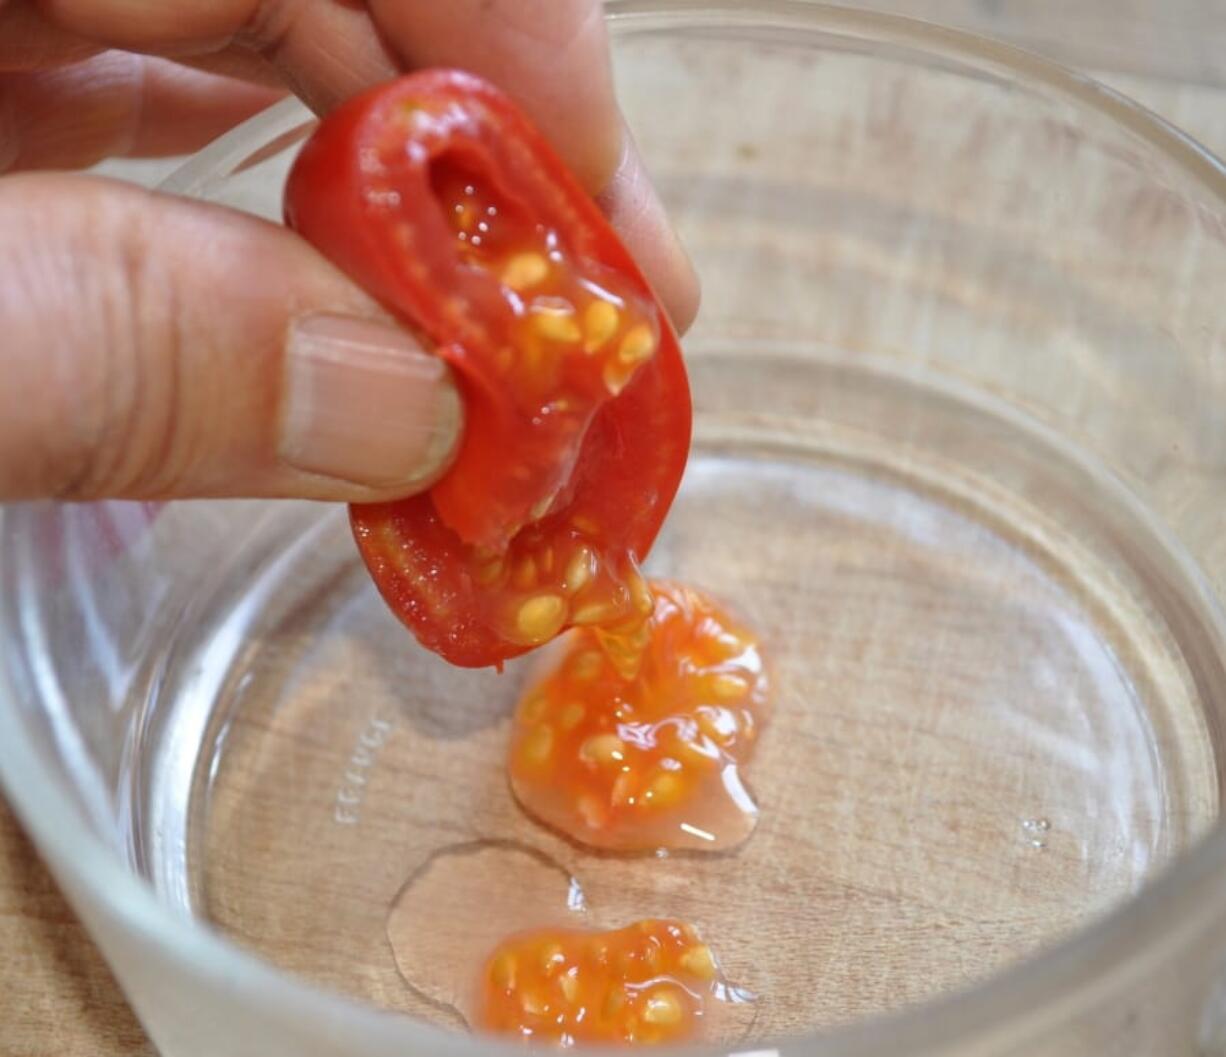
365 191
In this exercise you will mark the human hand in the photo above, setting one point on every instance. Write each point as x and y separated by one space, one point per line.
155 347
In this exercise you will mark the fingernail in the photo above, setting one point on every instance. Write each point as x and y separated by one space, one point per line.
365 403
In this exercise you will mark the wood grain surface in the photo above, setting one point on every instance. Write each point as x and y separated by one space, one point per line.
57 997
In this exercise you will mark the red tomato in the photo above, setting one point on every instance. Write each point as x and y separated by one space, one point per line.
438 197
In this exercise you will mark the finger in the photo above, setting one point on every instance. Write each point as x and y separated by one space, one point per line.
180 349
117 104
325 49
551 55
29 41
633 208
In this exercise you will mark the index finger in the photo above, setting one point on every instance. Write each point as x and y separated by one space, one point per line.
551 56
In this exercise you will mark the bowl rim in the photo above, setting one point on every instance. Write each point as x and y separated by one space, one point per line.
1014 1003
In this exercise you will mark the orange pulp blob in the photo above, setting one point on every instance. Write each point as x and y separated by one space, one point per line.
651 759
652 982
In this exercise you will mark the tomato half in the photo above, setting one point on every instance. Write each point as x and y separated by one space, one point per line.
439 198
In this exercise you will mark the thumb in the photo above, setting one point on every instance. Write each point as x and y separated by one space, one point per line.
154 347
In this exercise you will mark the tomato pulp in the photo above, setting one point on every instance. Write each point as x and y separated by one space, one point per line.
650 983
439 198
651 760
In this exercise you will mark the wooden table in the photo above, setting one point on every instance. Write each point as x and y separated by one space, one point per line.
57 996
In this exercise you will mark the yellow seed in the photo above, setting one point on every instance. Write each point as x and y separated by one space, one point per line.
728 687
537 746
663 1007
554 325
697 754
728 645
532 710
595 613
653 956
502 971
540 618
640 594
604 750
489 572
546 560
524 271
585 524
569 986
586 666
524 574
664 789
699 961
600 321
623 789
624 646
578 570
552 957
533 1003
615 377
638 345
572 715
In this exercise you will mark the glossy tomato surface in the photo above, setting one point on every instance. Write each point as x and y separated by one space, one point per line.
439 198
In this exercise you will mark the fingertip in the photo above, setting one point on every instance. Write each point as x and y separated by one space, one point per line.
634 208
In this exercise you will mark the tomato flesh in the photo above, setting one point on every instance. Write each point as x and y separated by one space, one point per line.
438 197
651 760
650 983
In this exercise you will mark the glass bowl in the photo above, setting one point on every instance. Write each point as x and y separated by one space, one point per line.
960 455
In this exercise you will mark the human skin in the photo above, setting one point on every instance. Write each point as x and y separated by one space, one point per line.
155 347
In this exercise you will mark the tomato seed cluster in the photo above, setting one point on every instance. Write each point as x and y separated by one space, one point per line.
646 984
643 761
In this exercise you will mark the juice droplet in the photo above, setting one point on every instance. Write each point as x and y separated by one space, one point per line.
462 901
649 760
653 982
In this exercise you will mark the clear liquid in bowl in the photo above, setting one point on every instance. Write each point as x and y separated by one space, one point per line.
988 729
